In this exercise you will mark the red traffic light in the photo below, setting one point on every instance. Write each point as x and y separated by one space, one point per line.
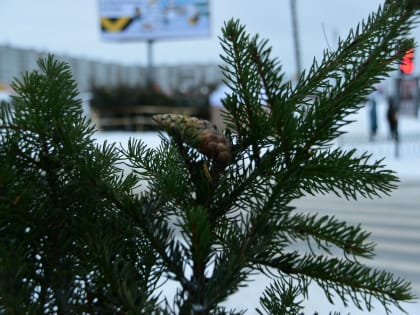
407 64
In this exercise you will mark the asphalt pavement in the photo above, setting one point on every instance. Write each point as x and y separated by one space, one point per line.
394 223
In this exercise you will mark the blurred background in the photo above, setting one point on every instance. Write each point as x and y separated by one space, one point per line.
132 59
72 28
147 52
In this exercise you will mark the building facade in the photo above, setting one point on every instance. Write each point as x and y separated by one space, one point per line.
87 73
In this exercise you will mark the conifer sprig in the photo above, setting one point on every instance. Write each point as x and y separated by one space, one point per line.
216 207
295 127
65 245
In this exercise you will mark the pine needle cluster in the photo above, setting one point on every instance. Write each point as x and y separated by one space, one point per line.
77 236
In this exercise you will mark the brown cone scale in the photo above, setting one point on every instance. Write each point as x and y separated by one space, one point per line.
199 133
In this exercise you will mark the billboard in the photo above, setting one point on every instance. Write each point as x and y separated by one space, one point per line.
153 19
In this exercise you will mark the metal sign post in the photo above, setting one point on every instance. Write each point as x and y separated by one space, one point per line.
150 20
150 66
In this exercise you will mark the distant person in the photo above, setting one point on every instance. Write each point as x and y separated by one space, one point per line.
373 117
392 118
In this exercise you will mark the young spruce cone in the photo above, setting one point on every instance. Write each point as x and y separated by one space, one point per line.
199 133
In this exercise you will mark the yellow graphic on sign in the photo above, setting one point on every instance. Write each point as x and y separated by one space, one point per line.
153 19
115 24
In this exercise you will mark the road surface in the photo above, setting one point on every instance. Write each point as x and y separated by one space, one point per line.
394 222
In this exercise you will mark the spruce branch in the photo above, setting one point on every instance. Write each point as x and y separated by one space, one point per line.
282 298
216 208
243 78
337 171
344 77
350 281
327 231
58 178
165 171
303 120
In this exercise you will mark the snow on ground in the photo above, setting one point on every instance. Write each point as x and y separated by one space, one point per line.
4 96
406 165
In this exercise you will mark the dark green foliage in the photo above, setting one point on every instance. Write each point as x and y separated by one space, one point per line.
140 95
115 99
65 246
78 238
129 96
280 297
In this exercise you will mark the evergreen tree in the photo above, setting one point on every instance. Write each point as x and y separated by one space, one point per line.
66 247
77 238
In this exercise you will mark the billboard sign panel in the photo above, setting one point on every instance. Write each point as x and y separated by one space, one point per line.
153 19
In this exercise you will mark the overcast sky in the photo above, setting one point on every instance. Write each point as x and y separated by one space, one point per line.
71 27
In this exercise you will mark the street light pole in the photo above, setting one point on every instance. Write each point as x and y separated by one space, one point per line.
150 66
296 36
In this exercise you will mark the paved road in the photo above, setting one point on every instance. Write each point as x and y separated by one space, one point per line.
394 222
